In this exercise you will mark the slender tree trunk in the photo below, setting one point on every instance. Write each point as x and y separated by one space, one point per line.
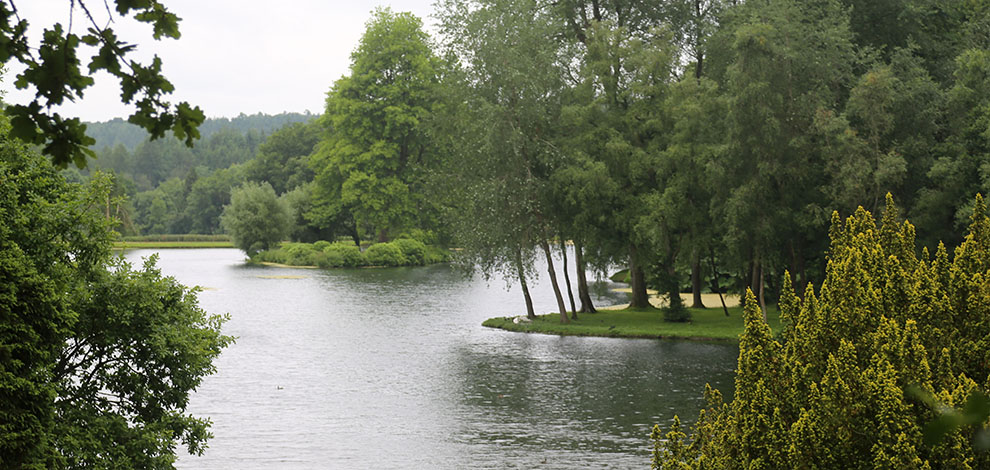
583 295
639 299
696 280
521 272
382 236
553 281
715 286
567 278
354 233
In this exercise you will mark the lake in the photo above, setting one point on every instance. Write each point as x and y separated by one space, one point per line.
391 368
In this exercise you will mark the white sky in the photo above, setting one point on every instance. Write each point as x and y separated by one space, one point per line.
235 56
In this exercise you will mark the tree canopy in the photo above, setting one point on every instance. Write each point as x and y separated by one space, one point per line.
55 72
99 358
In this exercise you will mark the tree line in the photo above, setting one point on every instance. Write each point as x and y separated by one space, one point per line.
683 138
699 142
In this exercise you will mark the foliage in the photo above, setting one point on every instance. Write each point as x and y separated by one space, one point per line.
385 254
370 165
98 358
829 392
54 71
255 218
343 255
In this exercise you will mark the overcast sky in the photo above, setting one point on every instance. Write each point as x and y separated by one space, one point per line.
235 56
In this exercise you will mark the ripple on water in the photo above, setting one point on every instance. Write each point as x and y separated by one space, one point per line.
389 368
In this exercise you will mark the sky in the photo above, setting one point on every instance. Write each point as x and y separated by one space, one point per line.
234 56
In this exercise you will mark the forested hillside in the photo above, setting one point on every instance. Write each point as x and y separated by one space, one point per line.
118 131
167 187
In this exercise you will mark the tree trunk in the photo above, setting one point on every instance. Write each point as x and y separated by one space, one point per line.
715 286
356 238
567 278
553 281
382 235
639 298
521 272
696 280
583 295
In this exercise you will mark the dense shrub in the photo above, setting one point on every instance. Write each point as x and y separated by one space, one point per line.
831 389
403 252
384 254
343 255
414 251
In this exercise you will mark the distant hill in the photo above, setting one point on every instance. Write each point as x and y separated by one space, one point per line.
118 131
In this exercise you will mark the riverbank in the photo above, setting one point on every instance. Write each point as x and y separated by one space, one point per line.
708 324
133 245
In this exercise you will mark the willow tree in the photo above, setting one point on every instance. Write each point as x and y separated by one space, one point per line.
371 164
514 82
831 389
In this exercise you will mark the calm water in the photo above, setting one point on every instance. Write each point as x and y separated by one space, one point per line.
390 368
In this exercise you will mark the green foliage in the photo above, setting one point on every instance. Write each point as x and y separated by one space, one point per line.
255 219
54 71
371 165
344 255
385 254
98 359
829 391
413 251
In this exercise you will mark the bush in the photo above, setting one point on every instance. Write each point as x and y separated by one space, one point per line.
343 255
828 391
435 254
384 254
413 250
321 245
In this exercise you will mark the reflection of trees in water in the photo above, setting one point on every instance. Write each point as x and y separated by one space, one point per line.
571 394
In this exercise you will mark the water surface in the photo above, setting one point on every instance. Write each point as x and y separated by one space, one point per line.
390 368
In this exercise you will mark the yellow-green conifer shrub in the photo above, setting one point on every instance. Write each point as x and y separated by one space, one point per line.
830 391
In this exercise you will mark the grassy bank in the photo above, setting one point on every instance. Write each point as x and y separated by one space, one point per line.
126 245
174 241
707 324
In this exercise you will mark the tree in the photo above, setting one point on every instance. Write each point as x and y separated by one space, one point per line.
514 85
283 159
374 155
256 218
829 391
98 358
624 64
55 73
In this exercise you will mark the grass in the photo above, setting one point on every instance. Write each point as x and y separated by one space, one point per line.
129 245
709 324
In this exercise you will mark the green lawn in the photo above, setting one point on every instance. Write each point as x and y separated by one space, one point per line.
130 245
707 324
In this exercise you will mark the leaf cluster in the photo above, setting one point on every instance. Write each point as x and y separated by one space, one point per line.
55 72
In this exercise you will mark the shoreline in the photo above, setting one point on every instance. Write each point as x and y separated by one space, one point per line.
618 321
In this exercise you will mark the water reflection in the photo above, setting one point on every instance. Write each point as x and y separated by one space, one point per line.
390 368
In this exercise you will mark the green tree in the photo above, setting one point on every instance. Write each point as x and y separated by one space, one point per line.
98 358
829 390
54 71
283 159
514 85
255 218
373 158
